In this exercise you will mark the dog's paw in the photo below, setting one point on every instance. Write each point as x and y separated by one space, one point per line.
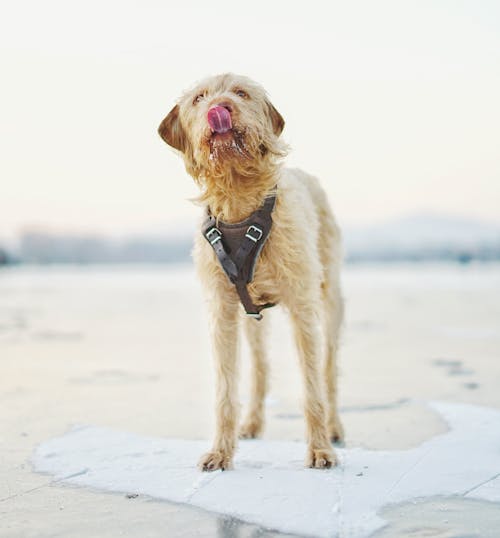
336 431
250 429
322 458
211 461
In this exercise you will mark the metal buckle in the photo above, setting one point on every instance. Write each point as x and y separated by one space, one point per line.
211 232
254 315
258 231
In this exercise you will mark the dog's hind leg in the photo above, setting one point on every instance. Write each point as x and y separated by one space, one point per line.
329 247
254 421
332 319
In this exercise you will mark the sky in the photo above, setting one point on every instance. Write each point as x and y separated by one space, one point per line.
392 104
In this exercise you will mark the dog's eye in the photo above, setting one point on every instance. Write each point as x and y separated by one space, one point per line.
241 93
198 98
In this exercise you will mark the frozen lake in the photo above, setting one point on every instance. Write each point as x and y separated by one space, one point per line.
127 348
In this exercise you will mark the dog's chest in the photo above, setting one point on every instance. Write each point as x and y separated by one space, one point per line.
266 285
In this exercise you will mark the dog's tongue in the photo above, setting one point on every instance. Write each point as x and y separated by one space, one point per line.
219 119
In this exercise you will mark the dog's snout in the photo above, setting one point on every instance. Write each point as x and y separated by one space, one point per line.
226 105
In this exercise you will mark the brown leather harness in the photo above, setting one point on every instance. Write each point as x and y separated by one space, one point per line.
237 247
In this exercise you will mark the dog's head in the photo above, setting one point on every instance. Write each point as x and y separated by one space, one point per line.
226 123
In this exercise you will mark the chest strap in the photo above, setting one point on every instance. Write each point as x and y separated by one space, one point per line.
237 247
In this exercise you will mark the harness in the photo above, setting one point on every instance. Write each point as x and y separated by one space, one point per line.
237 247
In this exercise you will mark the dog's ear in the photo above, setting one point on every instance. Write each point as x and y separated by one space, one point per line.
171 130
276 118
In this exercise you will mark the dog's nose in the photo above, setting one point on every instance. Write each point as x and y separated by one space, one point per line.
226 105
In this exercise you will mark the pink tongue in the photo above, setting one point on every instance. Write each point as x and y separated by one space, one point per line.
219 119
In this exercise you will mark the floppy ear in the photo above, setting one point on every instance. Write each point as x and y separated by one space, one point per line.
277 120
171 130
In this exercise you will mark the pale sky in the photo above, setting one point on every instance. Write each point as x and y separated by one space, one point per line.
393 104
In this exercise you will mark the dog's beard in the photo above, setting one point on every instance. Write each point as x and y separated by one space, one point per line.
240 152
228 147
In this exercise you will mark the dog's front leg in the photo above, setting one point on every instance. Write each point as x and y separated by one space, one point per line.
254 422
224 329
320 453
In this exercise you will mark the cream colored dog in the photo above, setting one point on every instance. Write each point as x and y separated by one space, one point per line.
237 164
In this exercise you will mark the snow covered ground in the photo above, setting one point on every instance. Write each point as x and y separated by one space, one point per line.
124 351
271 488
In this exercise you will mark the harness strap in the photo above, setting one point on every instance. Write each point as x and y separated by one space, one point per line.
247 239
251 309
255 237
214 237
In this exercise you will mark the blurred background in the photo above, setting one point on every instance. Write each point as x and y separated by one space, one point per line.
392 104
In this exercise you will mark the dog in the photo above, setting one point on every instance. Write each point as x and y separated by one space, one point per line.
229 135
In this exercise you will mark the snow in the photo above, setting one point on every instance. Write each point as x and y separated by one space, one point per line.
269 485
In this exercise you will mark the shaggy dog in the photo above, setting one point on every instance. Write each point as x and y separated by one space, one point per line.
228 133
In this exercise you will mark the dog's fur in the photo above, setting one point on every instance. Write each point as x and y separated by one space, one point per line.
298 266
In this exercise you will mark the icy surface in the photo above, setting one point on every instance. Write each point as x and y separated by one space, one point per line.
270 487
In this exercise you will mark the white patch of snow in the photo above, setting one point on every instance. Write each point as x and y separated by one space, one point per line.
269 485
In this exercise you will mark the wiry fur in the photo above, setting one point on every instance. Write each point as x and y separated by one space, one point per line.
298 266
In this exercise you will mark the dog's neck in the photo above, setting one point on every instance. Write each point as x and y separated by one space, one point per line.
233 197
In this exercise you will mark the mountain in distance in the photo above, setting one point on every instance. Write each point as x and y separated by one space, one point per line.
424 236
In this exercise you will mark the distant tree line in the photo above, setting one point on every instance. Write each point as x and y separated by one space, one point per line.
42 248
425 254
4 258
